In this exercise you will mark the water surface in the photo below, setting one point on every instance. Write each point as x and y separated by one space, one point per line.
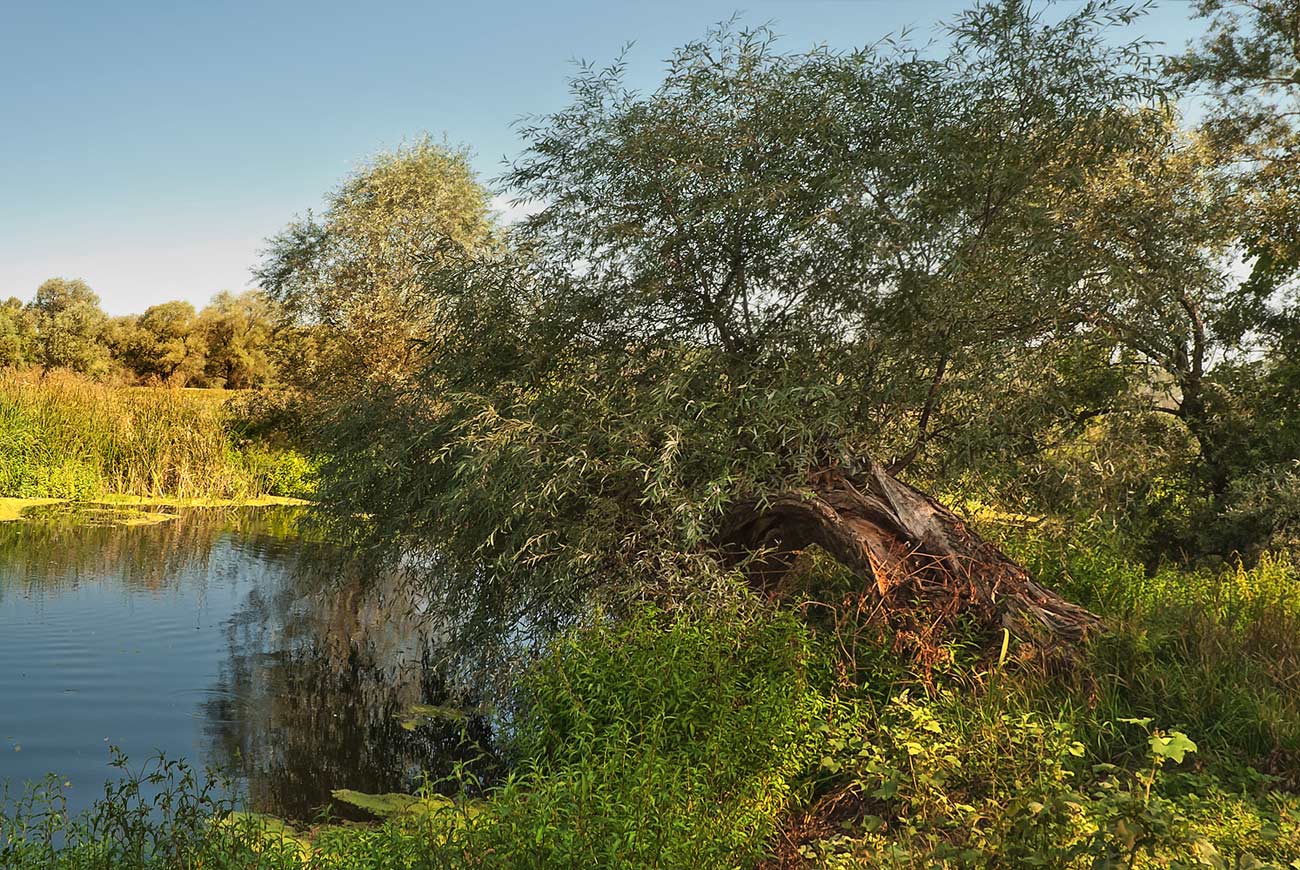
222 637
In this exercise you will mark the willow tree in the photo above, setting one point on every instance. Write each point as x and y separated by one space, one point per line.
69 325
1248 69
748 297
17 334
164 343
351 273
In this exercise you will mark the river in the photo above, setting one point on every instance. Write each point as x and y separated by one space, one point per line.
223 637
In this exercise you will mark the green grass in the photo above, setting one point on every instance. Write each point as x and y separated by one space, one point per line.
1215 652
676 741
66 437
734 734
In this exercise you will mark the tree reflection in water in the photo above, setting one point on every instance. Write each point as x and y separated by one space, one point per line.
323 672
322 662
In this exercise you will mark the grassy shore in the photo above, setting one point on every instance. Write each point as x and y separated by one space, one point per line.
12 508
65 437
731 735
130 510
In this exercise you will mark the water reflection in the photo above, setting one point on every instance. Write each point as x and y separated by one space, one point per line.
224 636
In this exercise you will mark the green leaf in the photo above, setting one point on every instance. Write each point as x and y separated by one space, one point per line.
1172 747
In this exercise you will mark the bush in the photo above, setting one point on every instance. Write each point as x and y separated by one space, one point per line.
278 472
670 741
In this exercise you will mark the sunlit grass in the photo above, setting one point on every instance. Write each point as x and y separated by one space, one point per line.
66 437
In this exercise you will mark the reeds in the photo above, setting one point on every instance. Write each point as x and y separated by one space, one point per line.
64 436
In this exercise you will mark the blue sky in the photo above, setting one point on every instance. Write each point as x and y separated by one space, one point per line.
149 146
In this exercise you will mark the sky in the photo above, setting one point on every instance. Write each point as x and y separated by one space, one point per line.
150 147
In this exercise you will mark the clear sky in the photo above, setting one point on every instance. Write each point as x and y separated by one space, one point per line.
149 146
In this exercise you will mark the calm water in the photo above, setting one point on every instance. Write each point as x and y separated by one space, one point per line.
219 637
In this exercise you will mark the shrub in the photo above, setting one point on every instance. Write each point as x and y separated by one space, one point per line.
670 741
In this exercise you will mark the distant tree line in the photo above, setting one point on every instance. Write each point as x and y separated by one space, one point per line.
234 342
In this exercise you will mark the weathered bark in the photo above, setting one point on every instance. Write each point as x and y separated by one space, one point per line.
917 557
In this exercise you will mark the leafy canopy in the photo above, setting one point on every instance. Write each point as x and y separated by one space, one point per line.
770 262
1248 68
69 323
353 273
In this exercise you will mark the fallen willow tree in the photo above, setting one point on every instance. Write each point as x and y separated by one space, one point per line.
769 260
916 556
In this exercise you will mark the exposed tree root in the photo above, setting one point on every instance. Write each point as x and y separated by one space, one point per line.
924 565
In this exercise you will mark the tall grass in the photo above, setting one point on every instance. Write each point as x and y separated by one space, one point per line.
63 436
1216 650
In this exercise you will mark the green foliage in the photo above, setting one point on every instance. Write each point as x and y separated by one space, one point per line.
664 741
163 344
277 470
1263 509
238 331
163 815
1144 473
705 738
1247 66
69 325
65 437
17 335
233 342
353 276
946 789
354 310
1004 266
721 297
1213 649
1010 765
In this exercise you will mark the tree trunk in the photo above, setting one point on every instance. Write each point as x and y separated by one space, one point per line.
918 558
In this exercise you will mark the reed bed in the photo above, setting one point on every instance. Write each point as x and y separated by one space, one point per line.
63 436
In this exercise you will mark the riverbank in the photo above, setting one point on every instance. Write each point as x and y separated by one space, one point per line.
143 508
68 438
11 509
729 733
